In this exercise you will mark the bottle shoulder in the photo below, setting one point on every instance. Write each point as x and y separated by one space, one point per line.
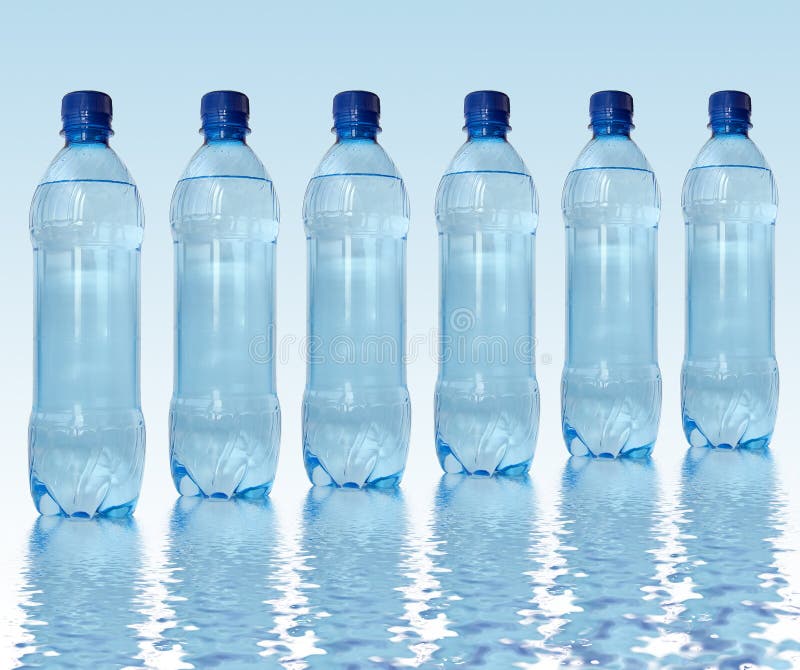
87 162
87 197
487 155
487 187
225 192
357 157
730 149
730 180
611 151
225 159
611 182
356 190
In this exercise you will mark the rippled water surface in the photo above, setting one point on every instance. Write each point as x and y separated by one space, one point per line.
608 564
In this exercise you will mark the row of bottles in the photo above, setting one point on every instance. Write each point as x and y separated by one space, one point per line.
87 432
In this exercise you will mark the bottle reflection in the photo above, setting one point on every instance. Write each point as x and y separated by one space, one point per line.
221 555
731 506
354 541
484 527
81 597
607 508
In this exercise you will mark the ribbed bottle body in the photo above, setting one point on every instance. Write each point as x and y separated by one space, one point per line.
730 373
356 410
225 415
611 384
487 397
86 435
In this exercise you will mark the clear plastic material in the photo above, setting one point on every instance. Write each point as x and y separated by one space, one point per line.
356 411
611 385
487 398
730 375
225 417
87 438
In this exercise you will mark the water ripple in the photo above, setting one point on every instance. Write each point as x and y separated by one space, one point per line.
622 566
80 595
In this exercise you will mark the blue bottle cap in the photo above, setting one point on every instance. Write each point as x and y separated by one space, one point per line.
354 108
482 107
611 106
729 106
225 108
86 109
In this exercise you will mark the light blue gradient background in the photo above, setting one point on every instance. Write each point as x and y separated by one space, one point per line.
157 59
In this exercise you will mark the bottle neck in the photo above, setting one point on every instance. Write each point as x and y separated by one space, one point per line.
225 132
83 134
356 131
611 127
477 131
729 127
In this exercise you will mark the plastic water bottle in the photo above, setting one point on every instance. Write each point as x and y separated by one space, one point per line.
86 437
611 386
356 411
487 398
730 375
225 417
